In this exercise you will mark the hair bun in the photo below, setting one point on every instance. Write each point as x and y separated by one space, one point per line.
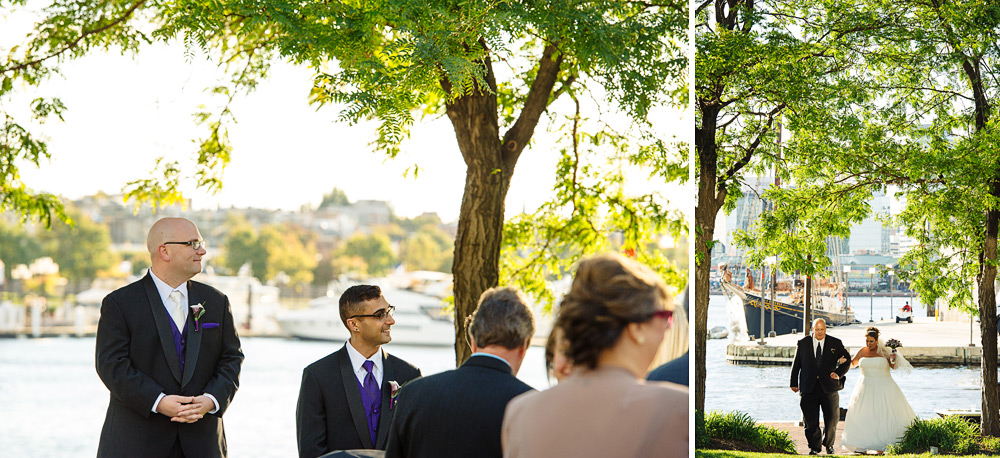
872 330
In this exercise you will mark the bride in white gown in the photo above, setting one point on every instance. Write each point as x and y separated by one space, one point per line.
878 413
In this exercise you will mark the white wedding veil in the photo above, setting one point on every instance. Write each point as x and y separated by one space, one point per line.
902 364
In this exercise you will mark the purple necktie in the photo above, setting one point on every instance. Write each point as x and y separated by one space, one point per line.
371 389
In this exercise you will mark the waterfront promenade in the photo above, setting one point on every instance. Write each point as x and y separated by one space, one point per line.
798 434
925 343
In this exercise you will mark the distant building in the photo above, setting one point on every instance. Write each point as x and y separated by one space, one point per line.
748 209
871 234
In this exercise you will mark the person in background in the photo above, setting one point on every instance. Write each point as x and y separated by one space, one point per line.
458 413
557 365
169 353
674 350
614 317
345 398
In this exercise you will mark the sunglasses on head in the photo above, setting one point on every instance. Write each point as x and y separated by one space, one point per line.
665 314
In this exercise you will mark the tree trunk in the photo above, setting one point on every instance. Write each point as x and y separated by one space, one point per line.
705 212
480 222
807 302
477 247
990 425
988 320
490 161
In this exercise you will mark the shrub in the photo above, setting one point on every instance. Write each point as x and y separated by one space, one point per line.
701 437
990 445
949 435
740 426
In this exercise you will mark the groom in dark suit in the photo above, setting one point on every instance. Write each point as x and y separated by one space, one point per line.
344 399
816 372
459 413
168 351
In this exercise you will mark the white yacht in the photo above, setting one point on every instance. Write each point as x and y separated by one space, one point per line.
420 320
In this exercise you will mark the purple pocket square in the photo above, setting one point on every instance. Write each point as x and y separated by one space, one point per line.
209 325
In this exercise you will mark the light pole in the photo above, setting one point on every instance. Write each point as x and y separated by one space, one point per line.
761 340
773 262
847 286
871 292
892 309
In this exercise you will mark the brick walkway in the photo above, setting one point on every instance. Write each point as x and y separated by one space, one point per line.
798 434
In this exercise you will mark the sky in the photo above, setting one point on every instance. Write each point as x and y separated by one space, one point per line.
124 112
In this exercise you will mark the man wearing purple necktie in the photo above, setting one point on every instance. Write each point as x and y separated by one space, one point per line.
345 398
168 351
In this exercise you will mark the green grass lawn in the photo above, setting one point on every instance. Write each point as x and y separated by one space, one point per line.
733 454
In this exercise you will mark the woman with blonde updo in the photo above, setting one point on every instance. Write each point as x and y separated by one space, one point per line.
613 319
557 365
878 414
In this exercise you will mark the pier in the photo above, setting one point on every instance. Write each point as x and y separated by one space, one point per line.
925 343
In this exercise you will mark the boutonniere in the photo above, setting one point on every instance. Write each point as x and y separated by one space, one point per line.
197 311
393 393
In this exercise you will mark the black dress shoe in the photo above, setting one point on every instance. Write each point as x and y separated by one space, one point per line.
829 450
814 452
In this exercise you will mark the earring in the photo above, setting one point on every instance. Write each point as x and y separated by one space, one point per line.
640 340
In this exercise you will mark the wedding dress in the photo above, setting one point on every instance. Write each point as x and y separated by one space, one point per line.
878 413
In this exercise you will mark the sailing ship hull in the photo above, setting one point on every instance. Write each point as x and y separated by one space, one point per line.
787 317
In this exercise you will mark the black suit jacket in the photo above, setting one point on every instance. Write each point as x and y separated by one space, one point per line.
329 415
808 376
457 413
675 371
137 361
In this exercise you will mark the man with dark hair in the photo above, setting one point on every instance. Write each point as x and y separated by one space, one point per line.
459 413
344 400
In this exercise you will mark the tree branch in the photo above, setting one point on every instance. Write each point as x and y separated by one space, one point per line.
535 104
73 44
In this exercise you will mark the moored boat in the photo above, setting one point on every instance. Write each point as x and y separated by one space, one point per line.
420 320
744 308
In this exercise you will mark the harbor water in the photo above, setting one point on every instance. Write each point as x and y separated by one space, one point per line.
54 402
763 392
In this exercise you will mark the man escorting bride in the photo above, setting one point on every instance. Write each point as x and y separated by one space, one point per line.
816 375
878 414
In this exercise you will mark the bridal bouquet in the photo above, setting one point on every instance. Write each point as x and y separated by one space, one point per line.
893 344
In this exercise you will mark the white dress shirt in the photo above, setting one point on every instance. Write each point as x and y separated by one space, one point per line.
358 361
479 353
820 342
164 289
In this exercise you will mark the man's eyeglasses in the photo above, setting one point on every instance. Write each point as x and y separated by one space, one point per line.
379 314
196 244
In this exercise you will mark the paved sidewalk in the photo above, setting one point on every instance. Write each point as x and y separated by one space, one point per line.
798 434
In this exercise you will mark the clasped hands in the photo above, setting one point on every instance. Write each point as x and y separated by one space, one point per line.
185 409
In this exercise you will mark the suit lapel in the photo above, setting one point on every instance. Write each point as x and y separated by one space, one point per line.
162 322
354 398
388 374
193 337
